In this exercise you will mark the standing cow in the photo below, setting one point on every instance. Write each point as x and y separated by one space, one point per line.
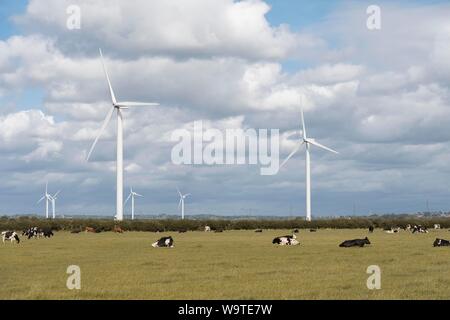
10 235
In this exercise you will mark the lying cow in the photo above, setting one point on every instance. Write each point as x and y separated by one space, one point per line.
393 230
10 235
163 242
258 230
441 243
286 240
355 243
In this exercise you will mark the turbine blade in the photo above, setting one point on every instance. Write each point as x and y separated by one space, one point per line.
40 199
315 143
136 104
303 125
105 123
137 194
179 203
54 196
179 192
291 154
187 194
113 97
127 198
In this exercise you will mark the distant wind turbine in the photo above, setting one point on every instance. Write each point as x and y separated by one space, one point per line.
47 198
53 199
132 195
307 142
118 107
181 203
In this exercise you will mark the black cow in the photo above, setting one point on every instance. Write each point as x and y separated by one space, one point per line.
355 243
47 233
258 230
371 228
441 243
312 230
296 231
10 235
163 242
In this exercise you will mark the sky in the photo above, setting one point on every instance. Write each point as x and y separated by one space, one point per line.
379 97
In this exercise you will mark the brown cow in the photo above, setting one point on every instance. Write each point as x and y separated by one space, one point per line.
118 229
89 229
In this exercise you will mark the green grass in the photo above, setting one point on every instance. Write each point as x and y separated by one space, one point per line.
229 265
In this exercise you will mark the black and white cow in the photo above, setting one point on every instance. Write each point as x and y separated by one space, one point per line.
163 242
441 243
10 235
419 229
286 240
355 243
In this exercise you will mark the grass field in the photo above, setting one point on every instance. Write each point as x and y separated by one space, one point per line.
228 265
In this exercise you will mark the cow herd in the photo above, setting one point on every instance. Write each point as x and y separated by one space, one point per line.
288 240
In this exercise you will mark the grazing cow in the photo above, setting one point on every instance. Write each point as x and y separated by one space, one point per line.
371 228
90 229
163 242
10 235
441 243
419 229
118 229
207 228
355 243
437 226
296 231
312 230
258 230
286 240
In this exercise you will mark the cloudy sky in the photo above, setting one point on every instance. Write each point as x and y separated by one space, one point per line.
379 97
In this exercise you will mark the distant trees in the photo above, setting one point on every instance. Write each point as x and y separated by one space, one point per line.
162 225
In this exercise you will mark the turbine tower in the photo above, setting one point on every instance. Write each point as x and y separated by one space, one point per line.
47 198
53 199
308 142
132 195
181 203
118 107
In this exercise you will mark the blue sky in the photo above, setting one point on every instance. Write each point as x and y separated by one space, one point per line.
373 96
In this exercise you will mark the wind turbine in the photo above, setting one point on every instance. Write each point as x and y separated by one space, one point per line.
307 142
47 198
182 197
53 199
132 195
118 107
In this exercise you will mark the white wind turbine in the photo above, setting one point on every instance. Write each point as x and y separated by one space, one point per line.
308 142
181 203
47 198
53 199
118 107
132 195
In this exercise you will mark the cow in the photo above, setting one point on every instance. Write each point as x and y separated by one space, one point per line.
90 229
437 226
393 230
419 229
207 228
286 240
10 235
312 230
371 228
47 233
441 243
218 230
296 231
355 243
163 242
76 231
118 229
408 227
258 230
